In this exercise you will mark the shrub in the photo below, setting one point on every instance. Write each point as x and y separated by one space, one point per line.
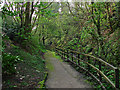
9 62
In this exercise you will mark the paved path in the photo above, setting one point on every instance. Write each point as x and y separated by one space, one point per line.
62 75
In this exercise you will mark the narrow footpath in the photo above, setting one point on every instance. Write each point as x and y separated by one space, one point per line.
62 75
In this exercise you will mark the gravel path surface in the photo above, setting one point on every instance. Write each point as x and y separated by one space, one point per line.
62 75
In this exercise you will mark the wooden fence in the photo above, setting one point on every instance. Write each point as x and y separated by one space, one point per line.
92 62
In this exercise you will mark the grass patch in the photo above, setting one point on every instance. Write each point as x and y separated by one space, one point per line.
35 61
56 56
49 65
42 83
49 54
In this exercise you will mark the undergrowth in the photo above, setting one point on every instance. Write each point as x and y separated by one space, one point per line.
26 65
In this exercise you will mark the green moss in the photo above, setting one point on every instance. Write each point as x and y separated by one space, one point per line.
48 63
34 61
49 66
58 57
42 83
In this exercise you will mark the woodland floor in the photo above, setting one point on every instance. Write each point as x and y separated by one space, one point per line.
26 78
28 74
63 75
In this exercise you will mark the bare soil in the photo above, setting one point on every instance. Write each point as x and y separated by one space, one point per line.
26 77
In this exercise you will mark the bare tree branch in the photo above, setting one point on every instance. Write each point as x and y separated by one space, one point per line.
39 14
93 15
10 10
70 9
47 6
32 11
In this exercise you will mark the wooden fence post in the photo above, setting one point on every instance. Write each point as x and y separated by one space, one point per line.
78 59
67 55
60 52
100 77
64 53
88 62
55 50
72 56
117 78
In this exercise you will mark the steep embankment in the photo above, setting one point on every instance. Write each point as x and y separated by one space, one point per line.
29 71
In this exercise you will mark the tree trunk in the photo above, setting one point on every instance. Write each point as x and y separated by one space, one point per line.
27 19
43 40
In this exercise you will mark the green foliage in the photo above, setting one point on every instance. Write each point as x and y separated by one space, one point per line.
10 28
9 62
15 32
35 61
8 12
42 83
86 28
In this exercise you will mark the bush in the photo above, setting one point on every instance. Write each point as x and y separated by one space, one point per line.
9 62
10 29
15 32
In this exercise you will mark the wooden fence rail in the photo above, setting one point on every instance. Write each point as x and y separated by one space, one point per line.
75 58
